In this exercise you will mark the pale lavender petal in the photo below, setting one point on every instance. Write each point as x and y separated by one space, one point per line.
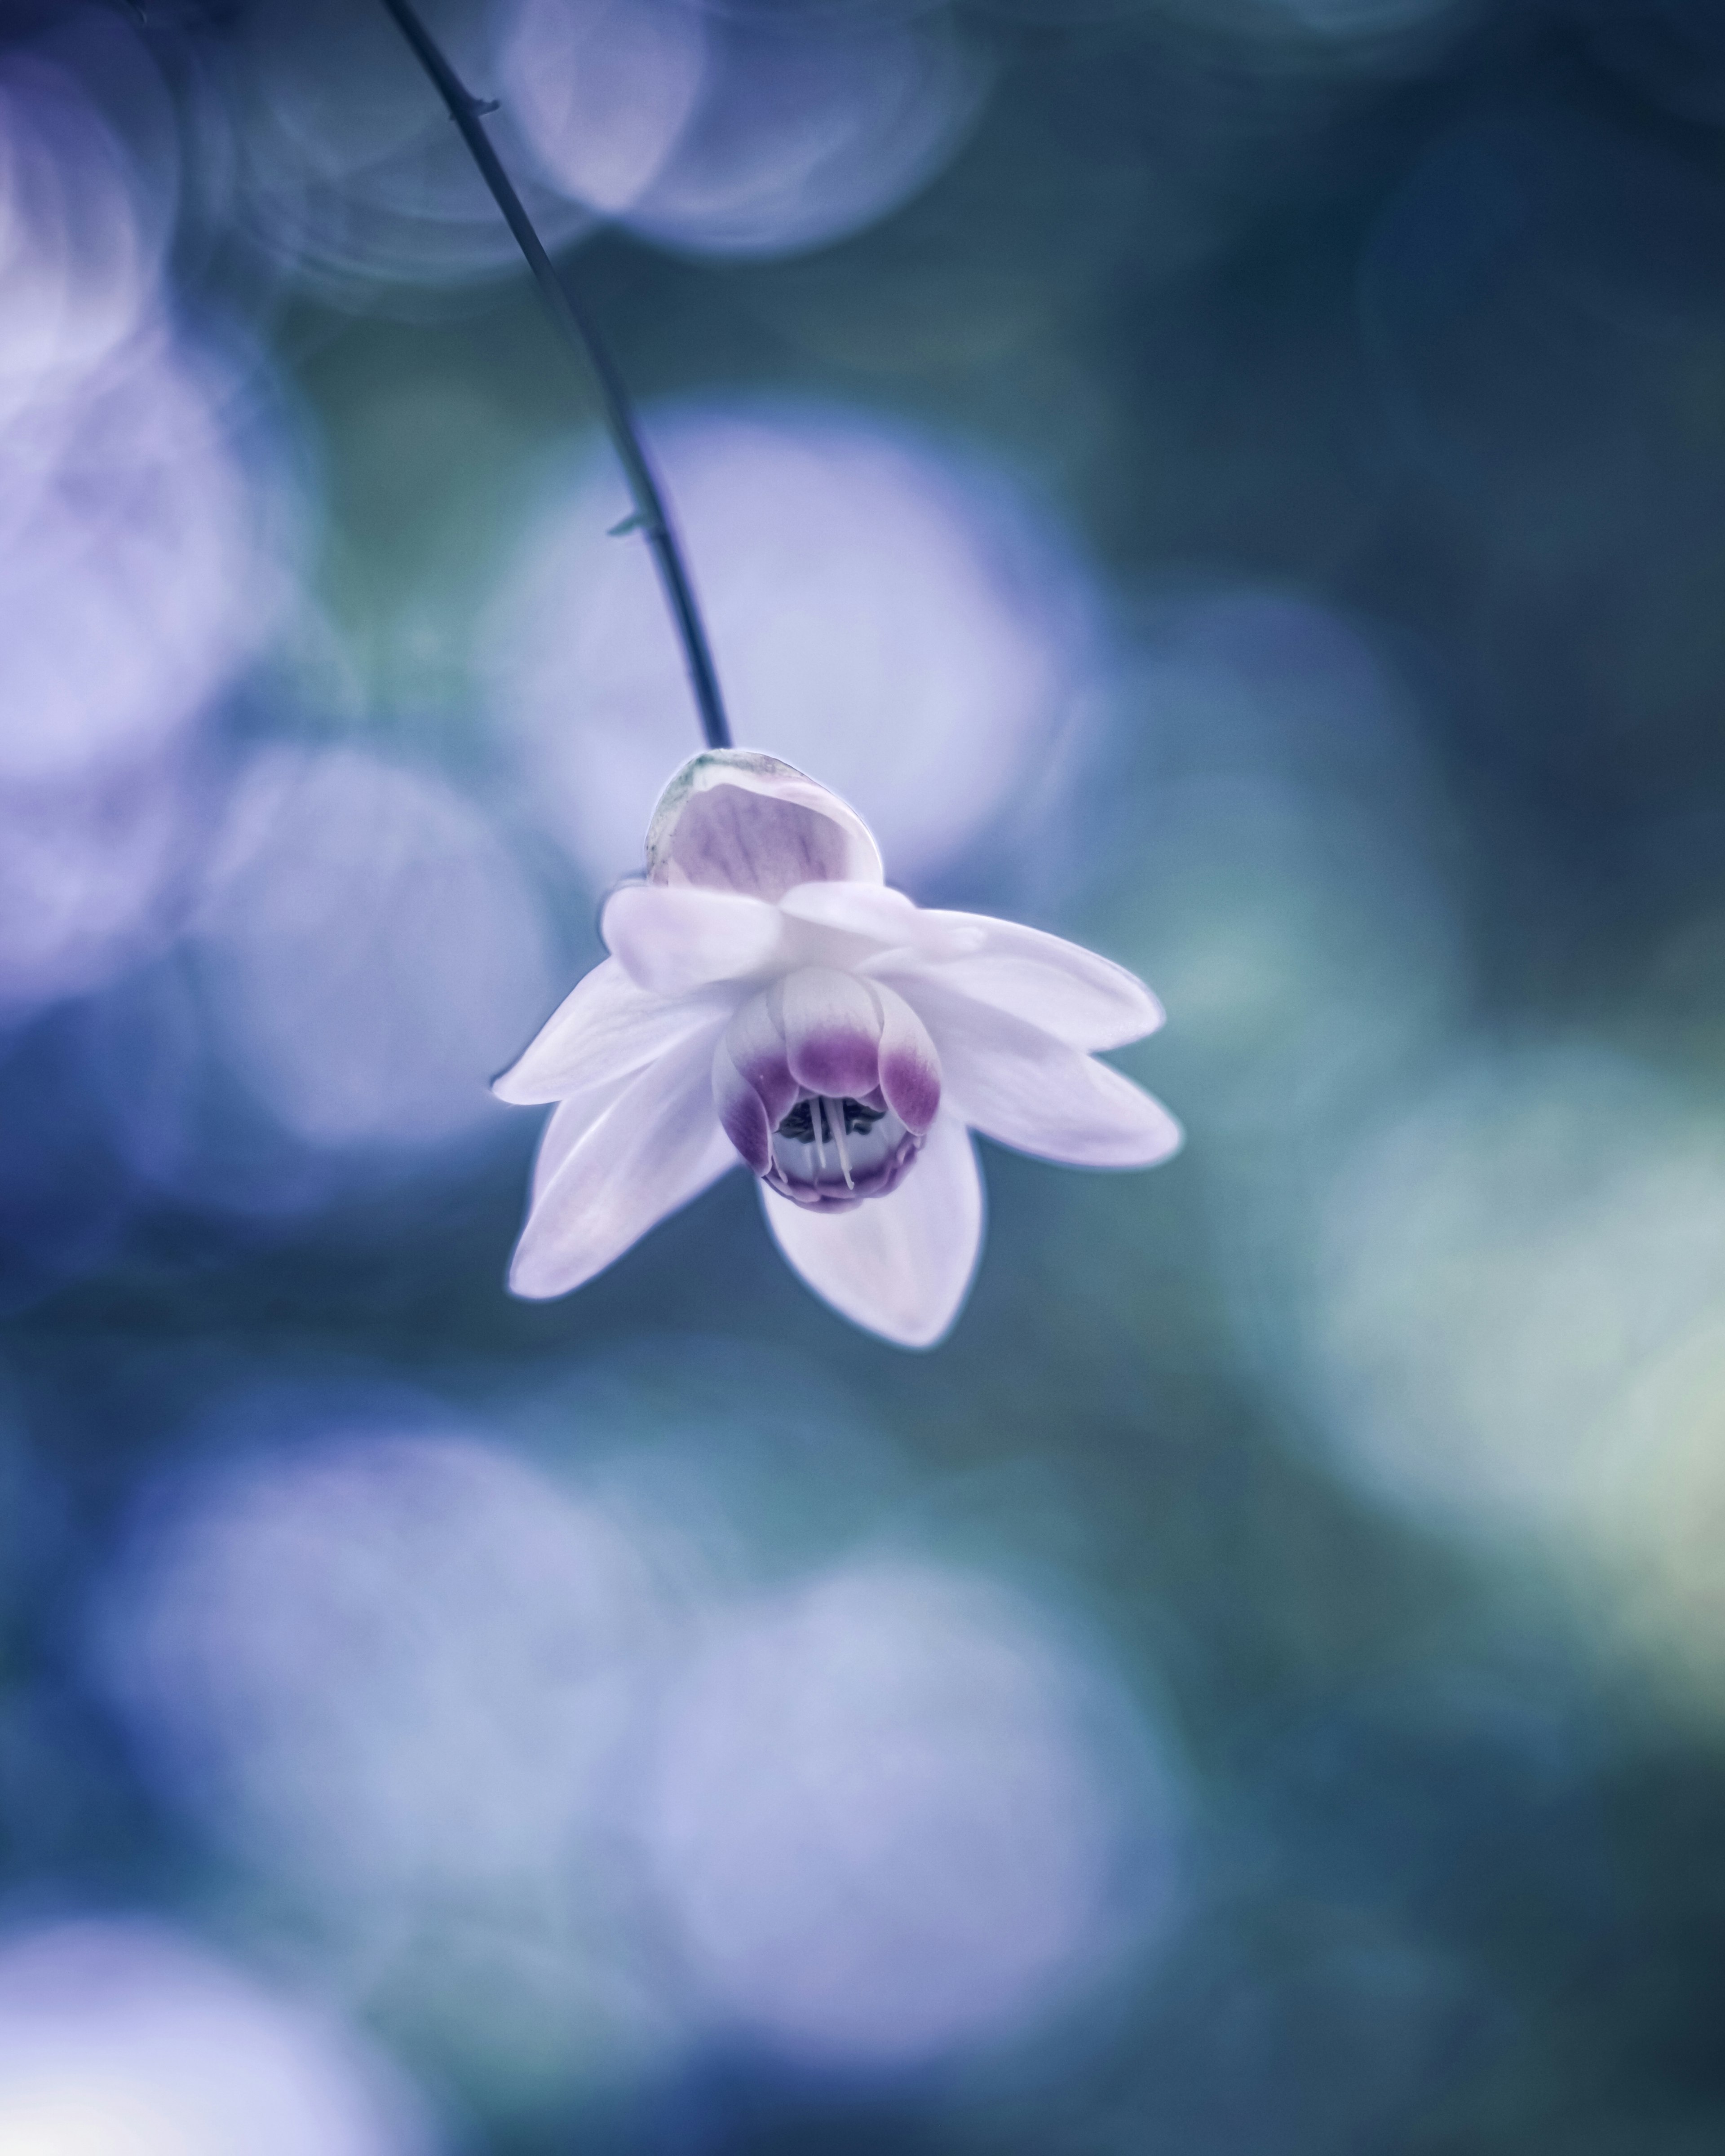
565 1126
604 1031
1086 999
909 1069
887 922
1025 1088
874 911
676 942
742 1114
734 820
899 1265
655 1145
832 1031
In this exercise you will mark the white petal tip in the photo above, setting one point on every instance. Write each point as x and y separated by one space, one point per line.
918 1339
1142 1016
536 1275
530 1286
1168 1141
518 1087
918 1335
917 1343
1158 1141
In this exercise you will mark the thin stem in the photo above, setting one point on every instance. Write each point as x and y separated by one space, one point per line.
581 332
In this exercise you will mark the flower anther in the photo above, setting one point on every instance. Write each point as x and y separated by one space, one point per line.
770 1001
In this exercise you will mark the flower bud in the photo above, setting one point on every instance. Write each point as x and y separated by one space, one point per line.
734 820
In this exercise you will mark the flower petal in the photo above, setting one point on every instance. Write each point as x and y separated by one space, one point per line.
734 820
675 941
565 1128
1021 1085
1085 999
656 1145
754 1041
605 1029
742 1113
909 1069
832 1031
876 914
899 1265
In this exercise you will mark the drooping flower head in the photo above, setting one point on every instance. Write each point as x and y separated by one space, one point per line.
769 1001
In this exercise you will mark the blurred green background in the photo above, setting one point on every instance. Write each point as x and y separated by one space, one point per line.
1238 483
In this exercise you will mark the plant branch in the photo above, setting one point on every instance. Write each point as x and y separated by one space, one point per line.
581 332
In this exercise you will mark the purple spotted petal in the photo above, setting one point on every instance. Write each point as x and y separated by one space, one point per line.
754 1041
736 820
728 839
910 1079
832 1031
742 1116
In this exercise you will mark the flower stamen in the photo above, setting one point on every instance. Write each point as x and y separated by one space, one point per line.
834 1152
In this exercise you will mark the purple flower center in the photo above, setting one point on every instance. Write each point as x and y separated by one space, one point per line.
829 1153
827 1084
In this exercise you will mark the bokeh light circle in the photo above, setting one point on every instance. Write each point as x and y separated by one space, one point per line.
1649 1514
371 952
349 174
1494 1266
122 2037
1286 895
1298 38
81 245
91 879
743 130
143 570
389 1660
880 1825
911 633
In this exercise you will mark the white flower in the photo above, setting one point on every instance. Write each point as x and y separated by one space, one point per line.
769 1000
